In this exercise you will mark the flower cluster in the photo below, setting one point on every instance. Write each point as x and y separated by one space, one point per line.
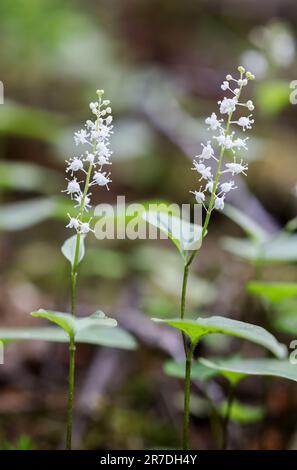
90 164
224 138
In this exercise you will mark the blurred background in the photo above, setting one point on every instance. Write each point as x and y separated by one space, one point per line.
161 63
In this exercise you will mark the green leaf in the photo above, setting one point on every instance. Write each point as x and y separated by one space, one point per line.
281 249
183 234
71 324
251 228
203 326
272 95
273 291
199 370
69 247
246 367
98 335
241 413
21 215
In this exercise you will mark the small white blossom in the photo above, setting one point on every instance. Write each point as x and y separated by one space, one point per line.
226 187
96 134
73 223
204 171
73 187
199 196
207 152
75 164
85 228
225 85
219 203
209 186
245 122
102 179
236 168
81 137
213 122
228 105
226 138
79 200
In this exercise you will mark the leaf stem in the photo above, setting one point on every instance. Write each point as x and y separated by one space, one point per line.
187 393
70 393
183 301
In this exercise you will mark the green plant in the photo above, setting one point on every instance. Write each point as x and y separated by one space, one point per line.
188 238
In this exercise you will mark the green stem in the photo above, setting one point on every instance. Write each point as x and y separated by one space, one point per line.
231 396
70 393
183 301
187 393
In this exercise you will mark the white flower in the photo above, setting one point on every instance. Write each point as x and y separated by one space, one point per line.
95 134
207 152
219 202
240 143
226 187
228 105
90 157
209 186
204 171
73 223
250 105
225 85
73 187
103 161
236 168
102 179
85 228
79 199
81 137
75 164
103 150
213 122
199 196
225 141
245 122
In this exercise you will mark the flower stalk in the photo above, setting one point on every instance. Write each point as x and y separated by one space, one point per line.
217 188
96 136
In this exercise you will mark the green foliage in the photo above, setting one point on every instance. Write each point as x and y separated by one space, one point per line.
73 325
273 291
272 96
241 367
184 235
199 371
69 247
99 335
203 326
260 247
242 413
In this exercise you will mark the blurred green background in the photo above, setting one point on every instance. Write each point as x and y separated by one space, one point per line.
161 63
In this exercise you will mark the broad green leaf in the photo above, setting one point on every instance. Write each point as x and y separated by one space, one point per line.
30 177
242 413
251 228
195 329
98 335
280 249
53 334
71 324
17 119
21 215
273 291
183 234
199 370
69 247
246 367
